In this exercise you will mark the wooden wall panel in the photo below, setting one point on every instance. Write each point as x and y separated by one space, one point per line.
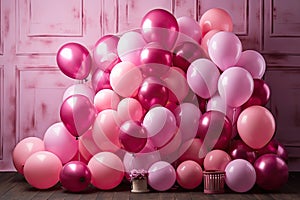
2 108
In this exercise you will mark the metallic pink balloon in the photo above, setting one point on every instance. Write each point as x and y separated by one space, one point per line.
160 26
239 150
75 176
100 80
74 60
274 147
78 114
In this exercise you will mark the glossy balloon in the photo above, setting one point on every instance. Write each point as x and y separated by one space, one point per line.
274 147
106 99
192 149
216 160
205 40
100 80
130 109
189 174
239 150
79 88
87 145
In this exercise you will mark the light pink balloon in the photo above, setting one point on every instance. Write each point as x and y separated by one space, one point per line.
59 141
41 169
253 62
216 160
106 99
107 170
106 130
189 174
25 148
202 77
169 152
87 146
125 79
225 49
235 86
205 40
160 124
189 27
79 88
130 109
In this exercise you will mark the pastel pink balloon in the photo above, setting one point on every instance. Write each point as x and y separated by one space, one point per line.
106 99
253 62
74 60
100 80
79 88
41 170
57 138
256 126
106 130
162 176
107 170
215 18
235 86
207 37
25 148
225 49
189 27
216 160
78 114
189 174
169 152
87 146
125 79
130 109
192 150
160 124
202 77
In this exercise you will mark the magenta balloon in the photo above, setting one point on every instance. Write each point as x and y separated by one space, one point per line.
189 27
240 175
153 92
75 176
154 29
272 172
74 60
239 150
78 114
185 53
133 136
274 147
225 49
215 130
105 53
162 176
100 80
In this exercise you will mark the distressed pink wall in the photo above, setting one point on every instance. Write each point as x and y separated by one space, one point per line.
31 86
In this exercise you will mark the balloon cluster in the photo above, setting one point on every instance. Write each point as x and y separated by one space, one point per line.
174 97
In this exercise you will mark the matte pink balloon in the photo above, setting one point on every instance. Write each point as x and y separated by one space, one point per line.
78 114
107 170
100 80
87 145
125 79
189 174
192 150
160 124
154 29
79 88
240 175
253 62
256 126
105 53
202 77
225 49
235 86
130 109
216 160
59 141
189 27
215 18
106 99
162 176
25 148
207 37
75 176
239 150
74 60
41 170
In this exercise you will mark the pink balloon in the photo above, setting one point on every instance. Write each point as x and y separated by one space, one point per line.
218 49
130 109
235 86
240 175
239 150
274 147
192 150
105 52
25 148
169 152
189 174
87 146
107 170
207 37
160 124
75 176
59 141
100 80
74 60
162 176
125 79
106 130
78 114
253 62
216 160
41 169
202 77
106 99
215 18
256 126
189 27
79 88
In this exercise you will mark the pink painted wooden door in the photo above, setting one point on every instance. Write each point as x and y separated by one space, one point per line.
31 85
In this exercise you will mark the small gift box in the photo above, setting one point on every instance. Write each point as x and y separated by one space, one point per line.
139 181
